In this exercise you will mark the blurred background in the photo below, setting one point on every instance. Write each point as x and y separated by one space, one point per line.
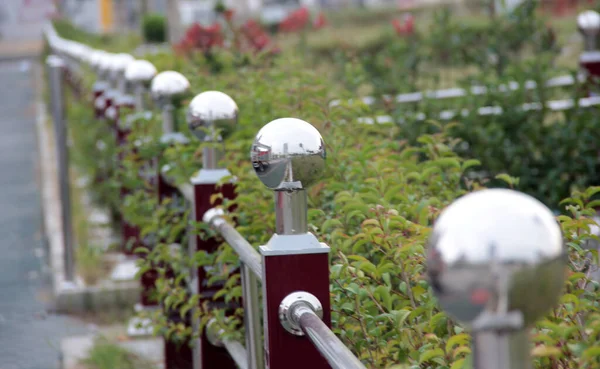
19 19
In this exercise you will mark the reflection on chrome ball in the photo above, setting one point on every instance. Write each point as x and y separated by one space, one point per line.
496 251
288 153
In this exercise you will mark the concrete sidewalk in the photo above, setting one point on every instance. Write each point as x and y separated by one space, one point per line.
30 334
16 50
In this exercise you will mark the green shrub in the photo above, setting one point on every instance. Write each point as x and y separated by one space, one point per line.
154 28
107 355
384 186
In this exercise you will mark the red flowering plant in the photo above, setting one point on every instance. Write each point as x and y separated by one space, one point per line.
406 27
242 40
320 21
295 21
202 38
248 36
299 22
257 37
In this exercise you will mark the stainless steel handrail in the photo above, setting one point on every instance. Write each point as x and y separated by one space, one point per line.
252 314
248 255
187 191
236 350
328 344
238 353
448 93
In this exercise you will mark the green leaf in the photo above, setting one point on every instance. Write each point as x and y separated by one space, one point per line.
401 316
367 267
384 295
457 340
546 351
329 224
591 353
470 163
430 354
458 364
511 181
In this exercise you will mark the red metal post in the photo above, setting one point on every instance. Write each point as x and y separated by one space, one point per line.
129 233
590 63
205 185
98 100
177 354
287 270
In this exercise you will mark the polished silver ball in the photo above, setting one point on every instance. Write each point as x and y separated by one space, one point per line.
169 86
140 72
119 63
212 111
495 252
588 23
96 60
288 154
105 64
79 51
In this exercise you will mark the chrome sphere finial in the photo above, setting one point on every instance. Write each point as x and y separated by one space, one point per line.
288 154
588 23
496 253
140 72
210 111
105 65
119 63
96 59
169 86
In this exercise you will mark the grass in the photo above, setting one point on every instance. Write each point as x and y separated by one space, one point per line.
108 355
357 31
89 258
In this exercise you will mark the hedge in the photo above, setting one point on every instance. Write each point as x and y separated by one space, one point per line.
383 188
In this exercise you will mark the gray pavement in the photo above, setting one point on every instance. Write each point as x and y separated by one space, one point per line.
29 333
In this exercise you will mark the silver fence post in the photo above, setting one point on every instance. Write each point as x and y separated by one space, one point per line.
56 70
497 283
588 23
139 75
167 88
288 156
252 313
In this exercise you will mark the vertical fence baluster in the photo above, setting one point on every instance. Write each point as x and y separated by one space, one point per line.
252 313
56 72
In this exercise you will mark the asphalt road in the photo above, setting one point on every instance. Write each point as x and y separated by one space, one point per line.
29 333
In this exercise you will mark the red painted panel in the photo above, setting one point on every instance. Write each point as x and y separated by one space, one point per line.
310 274
97 112
593 68
178 355
130 233
212 357
163 188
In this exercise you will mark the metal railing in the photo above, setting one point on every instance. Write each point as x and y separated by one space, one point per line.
552 105
110 95
589 61
453 93
296 309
